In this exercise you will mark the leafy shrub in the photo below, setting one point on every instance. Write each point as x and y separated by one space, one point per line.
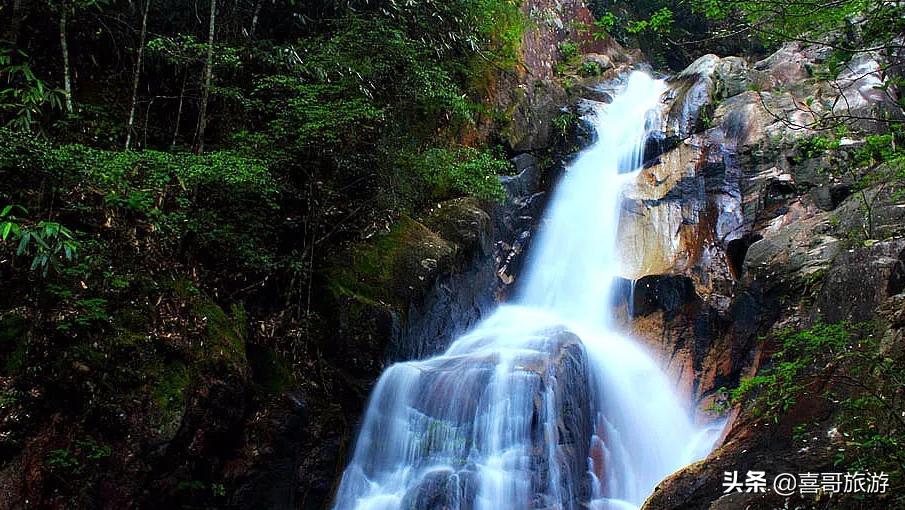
590 69
660 22
25 100
777 388
564 123
568 51
84 454
816 146
844 364
47 242
219 200
458 171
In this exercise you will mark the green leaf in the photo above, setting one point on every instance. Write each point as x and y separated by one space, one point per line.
40 241
23 244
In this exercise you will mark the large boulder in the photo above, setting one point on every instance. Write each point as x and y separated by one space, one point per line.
865 277
408 293
545 409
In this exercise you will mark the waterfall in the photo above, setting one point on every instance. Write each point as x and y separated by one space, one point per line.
544 404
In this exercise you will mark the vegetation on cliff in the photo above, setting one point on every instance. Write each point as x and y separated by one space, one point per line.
673 33
188 188
175 180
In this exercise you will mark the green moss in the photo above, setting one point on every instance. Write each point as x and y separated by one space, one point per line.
13 332
272 372
224 334
168 393
381 269
132 326
172 381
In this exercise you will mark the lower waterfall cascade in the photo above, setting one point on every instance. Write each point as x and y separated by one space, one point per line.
544 404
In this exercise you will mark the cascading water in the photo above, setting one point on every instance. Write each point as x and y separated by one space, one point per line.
543 405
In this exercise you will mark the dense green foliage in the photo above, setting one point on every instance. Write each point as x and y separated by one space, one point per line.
670 33
870 21
874 169
673 33
323 121
846 366
136 272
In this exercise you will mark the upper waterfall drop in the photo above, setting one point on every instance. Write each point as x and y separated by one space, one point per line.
543 405
574 262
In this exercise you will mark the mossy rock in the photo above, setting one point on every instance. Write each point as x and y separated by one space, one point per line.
394 267
13 331
172 380
462 221
130 345
133 322
366 328
170 374
272 372
224 335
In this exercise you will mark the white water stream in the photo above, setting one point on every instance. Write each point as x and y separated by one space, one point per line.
520 414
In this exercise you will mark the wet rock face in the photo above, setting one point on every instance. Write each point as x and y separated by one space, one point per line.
691 92
866 277
546 414
563 372
656 145
694 342
515 221
685 207
761 236
679 216
575 427
532 98
724 170
667 293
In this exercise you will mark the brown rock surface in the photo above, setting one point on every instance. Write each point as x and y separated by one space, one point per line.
745 234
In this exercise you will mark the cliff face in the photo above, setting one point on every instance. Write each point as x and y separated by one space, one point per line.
742 230
733 212
211 419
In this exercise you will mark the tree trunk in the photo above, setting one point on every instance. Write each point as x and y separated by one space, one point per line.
141 53
16 21
254 19
64 45
185 75
208 71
